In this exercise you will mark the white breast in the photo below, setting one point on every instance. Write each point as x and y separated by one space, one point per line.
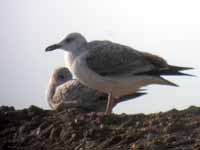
68 59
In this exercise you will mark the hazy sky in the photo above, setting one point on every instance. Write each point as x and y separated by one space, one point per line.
170 29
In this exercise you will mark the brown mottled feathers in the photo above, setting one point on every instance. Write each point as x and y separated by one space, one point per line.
155 60
123 60
111 59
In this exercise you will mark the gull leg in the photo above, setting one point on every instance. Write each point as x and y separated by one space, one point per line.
109 104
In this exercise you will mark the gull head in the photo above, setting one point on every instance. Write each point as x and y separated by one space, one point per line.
71 42
61 75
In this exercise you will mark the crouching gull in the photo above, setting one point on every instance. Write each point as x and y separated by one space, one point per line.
113 68
65 92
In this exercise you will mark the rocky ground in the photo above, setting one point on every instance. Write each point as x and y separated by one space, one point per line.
38 129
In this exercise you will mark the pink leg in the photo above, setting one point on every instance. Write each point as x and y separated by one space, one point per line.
109 104
108 108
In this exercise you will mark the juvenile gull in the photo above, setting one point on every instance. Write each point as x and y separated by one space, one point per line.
65 92
113 68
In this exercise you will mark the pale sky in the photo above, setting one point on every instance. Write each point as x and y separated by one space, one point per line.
169 28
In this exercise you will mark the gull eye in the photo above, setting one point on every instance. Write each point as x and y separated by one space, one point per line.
69 40
61 77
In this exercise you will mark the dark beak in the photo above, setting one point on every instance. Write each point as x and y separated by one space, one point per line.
52 47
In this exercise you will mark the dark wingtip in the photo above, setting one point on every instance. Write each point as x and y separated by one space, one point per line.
186 74
178 68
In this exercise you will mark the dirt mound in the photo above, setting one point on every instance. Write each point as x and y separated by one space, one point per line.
38 129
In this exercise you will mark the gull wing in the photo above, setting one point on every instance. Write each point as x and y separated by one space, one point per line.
112 59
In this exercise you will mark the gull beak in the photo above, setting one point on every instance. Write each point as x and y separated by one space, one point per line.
52 47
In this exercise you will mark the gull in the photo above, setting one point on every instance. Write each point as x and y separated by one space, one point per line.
113 68
65 92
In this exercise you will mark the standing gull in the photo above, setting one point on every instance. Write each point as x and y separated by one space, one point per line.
65 92
113 68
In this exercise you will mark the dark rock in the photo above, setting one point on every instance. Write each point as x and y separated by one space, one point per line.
35 128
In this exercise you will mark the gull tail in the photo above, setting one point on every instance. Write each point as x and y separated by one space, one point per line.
167 82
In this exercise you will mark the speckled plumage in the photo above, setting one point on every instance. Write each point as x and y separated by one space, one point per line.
72 94
111 59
